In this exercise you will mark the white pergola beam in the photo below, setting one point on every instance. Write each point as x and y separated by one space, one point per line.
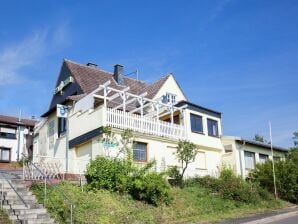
118 94
129 101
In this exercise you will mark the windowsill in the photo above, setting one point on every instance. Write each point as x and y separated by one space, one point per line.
140 162
198 132
62 135
4 161
8 138
201 168
214 136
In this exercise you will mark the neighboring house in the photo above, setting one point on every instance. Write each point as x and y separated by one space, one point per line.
159 114
242 155
16 137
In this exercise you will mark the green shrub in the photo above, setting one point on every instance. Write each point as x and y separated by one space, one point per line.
286 173
152 188
110 174
122 176
175 176
232 187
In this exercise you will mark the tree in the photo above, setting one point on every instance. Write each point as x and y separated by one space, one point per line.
259 138
295 138
186 153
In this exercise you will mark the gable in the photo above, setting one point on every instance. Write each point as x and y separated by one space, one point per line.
171 86
68 90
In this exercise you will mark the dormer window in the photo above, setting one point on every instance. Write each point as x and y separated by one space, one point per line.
171 98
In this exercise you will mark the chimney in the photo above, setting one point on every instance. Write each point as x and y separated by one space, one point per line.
90 64
118 74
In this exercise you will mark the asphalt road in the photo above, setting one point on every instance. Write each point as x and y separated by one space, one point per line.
289 220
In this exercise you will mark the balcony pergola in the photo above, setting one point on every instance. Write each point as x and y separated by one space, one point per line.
125 110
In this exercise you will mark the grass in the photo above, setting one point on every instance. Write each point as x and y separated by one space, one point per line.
4 218
191 204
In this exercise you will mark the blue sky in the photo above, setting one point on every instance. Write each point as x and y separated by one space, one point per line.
238 57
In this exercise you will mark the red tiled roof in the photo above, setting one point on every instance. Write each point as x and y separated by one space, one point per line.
14 120
89 78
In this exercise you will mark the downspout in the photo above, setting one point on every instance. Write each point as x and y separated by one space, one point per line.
240 158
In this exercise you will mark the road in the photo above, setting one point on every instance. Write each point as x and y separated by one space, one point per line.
288 220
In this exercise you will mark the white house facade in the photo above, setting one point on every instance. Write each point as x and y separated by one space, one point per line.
159 115
16 138
242 155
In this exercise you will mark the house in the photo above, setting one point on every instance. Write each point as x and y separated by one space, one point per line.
242 155
159 114
16 137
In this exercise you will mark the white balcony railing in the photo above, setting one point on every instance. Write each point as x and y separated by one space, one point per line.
123 120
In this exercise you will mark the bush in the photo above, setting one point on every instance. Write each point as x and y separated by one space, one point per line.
286 173
232 187
122 176
175 176
152 188
109 174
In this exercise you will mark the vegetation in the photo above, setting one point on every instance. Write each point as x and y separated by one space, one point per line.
232 187
286 176
186 153
259 138
193 203
4 218
122 176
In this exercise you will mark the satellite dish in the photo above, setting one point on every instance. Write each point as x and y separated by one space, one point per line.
26 131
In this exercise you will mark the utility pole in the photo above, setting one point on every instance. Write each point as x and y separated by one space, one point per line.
273 168
19 135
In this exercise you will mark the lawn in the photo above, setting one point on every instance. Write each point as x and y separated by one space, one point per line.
191 204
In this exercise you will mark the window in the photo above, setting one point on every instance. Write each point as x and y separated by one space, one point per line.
249 160
171 98
196 123
8 135
212 127
263 158
140 152
201 160
4 154
276 158
61 126
8 132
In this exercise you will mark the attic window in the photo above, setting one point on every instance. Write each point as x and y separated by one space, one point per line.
63 84
171 98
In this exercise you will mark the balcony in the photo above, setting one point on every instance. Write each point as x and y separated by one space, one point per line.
146 125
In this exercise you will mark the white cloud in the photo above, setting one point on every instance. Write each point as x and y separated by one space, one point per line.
17 56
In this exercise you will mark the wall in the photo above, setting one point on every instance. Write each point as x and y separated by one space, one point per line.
159 149
236 158
203 139
171 86
13 144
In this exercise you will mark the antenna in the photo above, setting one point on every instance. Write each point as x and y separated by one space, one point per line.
136 72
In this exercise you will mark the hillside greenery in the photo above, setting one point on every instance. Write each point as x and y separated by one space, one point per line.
199 201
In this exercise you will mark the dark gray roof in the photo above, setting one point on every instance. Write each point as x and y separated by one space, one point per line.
199 108
261 144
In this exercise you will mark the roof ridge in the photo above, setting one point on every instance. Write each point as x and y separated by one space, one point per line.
164 76
22 118
100 69
80 64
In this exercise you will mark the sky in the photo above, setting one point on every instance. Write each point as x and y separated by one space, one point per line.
234 56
